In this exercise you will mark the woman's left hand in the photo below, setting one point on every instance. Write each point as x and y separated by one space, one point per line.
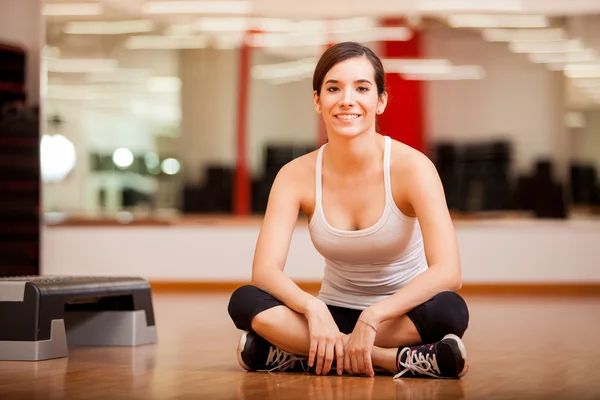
358 348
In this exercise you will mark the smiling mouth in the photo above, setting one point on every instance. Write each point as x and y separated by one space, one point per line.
347 117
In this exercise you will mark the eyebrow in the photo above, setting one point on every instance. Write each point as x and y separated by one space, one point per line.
357 81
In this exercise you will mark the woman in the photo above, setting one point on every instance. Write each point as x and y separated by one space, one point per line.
378 215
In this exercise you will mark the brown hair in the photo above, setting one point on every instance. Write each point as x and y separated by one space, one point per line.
341 52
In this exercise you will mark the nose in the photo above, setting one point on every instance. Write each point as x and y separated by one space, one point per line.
347 99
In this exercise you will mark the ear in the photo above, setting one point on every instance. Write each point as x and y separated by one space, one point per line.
317 102
382 103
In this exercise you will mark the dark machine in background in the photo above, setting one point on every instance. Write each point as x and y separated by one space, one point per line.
216 193
476 178
19 169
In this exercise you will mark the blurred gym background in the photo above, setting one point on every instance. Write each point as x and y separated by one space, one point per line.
142 137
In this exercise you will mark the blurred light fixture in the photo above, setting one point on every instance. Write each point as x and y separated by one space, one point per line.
285 72
164 84
469 5
287 39
109 27
197 7
170 166
166 42
445 73
569 57
72 9
524 35
398 65
57 157
497 21
80 65
578 71
129 76
561 46
585 83
122 157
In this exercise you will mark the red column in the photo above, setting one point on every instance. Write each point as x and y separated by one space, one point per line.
242 185
403 116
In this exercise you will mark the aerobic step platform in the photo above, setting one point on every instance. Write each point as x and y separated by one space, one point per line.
40 315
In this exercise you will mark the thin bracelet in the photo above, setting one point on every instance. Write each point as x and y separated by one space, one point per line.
366 323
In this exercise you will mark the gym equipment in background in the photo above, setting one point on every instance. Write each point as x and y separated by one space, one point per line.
40 316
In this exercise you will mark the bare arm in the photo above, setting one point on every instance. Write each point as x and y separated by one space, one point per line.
269 261
274 240
426 196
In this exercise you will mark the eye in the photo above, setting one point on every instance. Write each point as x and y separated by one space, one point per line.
363 89
332 89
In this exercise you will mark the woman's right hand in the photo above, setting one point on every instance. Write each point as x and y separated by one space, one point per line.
325 339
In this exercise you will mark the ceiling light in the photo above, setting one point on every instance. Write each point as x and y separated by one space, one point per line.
80 65
586 83
451 73
570 57
576 71
67 9
197 7
164 84
547 47
109 27
470 5
524 35
400 64
497 21
166 42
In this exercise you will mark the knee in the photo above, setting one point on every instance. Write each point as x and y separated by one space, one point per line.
240 306
454 317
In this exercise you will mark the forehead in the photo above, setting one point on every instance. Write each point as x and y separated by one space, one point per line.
351 69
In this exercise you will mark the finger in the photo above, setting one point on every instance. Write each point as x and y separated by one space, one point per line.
320 356
354 364
328 358
369 363
312 351
339 352
360 361
347 364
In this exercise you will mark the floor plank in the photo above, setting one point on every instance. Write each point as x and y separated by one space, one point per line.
519 347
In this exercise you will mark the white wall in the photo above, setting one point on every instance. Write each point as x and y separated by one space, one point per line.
517 100
21 24
282 114
491 252
208 109
587 140
276 113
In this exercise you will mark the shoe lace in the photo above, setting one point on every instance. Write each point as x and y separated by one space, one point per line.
283 360
416 362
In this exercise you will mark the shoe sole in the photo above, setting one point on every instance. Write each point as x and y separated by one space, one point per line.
240 349
463 353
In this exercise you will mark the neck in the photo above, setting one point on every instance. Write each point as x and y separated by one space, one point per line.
354 155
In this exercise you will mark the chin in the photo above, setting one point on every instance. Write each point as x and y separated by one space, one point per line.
349 132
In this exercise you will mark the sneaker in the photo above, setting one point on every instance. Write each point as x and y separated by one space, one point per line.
256 354
444 359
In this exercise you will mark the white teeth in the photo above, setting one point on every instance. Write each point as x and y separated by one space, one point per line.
348 116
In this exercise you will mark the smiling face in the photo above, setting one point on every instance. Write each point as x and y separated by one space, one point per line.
349 100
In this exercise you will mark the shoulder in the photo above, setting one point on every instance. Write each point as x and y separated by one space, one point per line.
298 173
412 165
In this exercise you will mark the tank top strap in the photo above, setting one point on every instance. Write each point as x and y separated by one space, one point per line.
386 167
319 180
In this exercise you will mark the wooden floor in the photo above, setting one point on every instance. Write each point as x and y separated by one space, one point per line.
519 347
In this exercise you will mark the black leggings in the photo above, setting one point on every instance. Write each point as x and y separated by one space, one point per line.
444 313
